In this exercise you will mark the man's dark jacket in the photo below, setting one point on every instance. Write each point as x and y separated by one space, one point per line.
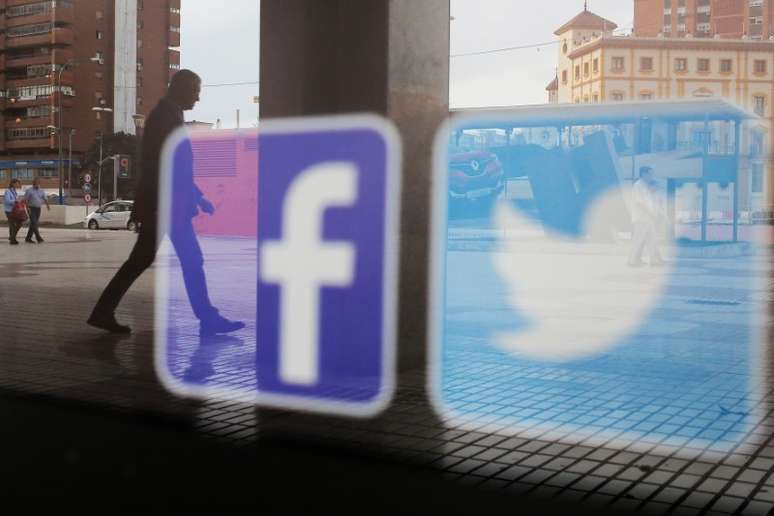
162 121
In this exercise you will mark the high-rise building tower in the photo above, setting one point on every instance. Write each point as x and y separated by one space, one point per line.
71 70
752 19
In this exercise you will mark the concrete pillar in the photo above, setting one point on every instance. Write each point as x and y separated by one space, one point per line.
389 57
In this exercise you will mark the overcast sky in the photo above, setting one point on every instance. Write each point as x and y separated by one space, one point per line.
222 46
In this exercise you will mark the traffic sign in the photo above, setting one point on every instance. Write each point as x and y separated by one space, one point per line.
123 167
323 338
87 178
87 198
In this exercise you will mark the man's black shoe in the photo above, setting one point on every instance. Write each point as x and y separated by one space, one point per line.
29 240
219 325
40 240
14 242
108 324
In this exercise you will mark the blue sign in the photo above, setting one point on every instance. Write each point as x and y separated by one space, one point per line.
580 290
301 247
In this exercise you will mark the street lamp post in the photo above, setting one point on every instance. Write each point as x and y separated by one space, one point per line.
67 64
70 163
101 161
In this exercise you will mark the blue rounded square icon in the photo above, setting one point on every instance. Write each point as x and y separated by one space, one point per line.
597 276
302 247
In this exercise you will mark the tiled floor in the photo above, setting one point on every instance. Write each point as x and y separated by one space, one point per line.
46 349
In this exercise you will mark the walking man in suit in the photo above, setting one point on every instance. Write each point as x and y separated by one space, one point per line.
182 95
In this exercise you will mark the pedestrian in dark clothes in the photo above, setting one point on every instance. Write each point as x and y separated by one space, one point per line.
183 93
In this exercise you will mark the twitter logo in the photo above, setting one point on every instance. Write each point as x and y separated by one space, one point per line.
568 300
579 297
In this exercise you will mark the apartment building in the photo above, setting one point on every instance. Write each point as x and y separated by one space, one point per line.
596 66
71 70
751 19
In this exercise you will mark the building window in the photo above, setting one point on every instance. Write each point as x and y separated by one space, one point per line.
646 64
618 64
617 96
564 76
759 105
38 111
585 69
174 10
585 99
760 66
596 65
667 29
23 133
172 28
703 65
726 65
681 64
47 173
23 173
646 95
756 143
577 72
756 178
99 15
100 34
174 66
595 98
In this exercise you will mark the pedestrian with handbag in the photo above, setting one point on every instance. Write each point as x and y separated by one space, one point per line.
35 198
15 210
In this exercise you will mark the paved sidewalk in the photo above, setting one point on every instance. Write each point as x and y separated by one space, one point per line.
46 348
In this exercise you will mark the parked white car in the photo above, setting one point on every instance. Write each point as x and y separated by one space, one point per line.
113 215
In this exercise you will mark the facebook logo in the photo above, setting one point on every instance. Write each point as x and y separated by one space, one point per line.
320 281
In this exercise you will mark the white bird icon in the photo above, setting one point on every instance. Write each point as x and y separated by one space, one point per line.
579 296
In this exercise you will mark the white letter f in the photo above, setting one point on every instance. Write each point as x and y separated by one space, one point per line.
301 263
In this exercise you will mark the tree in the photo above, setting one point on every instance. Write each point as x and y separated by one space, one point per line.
117 143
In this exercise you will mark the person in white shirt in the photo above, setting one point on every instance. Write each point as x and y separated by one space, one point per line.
35 197
647 214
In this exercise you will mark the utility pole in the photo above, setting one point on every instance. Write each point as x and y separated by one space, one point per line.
70 165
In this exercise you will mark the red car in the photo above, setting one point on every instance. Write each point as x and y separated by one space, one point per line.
475 175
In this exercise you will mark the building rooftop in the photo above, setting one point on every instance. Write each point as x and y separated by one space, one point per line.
552 115
610 41
587 20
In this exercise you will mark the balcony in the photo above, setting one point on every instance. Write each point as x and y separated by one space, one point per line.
68 79
63 14
60 36
26 122
60 57
43 100
42 143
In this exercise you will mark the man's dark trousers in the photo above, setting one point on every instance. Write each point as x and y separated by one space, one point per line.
34 222
142 256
